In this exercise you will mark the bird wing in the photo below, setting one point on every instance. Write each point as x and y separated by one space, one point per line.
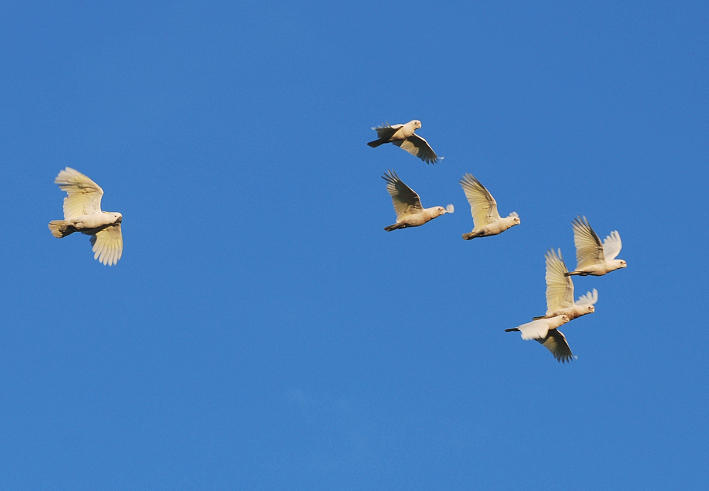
588 298
418 147
560 288
536 329
555 342
589 250
387 130
404 198
612 246
83 195
483 206
108 245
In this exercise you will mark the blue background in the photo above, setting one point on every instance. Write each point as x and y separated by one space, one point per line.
263 332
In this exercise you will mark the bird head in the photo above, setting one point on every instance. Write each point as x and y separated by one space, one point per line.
590 308
118 218
417 123
622 263
565 318
515 218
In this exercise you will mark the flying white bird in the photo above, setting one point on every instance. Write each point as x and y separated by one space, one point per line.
402 135
592 257
407 204
545 332
560 291
483 207
82 213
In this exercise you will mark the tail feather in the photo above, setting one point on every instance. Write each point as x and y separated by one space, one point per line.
394 227
377 142
510 330
60 228
469 235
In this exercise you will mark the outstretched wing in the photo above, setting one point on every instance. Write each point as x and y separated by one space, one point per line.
589 250
108 245
404 198
418 147
589 298
555 342
537 329
560 288
612 245
483 206
83 195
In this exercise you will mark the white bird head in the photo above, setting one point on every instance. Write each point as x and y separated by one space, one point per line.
117 217
417 123
590 309
442 211
515 218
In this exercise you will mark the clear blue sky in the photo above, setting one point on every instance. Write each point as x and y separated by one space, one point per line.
262 331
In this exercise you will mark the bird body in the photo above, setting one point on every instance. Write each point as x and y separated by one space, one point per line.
592 256
404 136
560 291
486 219
82 213
539 328
545 331
407 205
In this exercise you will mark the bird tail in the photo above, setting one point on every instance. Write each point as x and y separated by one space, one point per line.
510 330
393 227
571 273
469 235
377 142
60 228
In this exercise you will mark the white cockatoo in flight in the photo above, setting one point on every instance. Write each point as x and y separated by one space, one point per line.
560 291
82 213
402 135
545 331
407 204
483 207
592 257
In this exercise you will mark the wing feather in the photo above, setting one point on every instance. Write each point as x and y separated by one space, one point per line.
588 298
483 206
83 194
419 147
536 329
612 246
555 341
108 245
560 288
589 250
404 198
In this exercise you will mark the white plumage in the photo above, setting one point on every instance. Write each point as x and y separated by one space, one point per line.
560 290
592 257
403 136
483 207
82 213
407 204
